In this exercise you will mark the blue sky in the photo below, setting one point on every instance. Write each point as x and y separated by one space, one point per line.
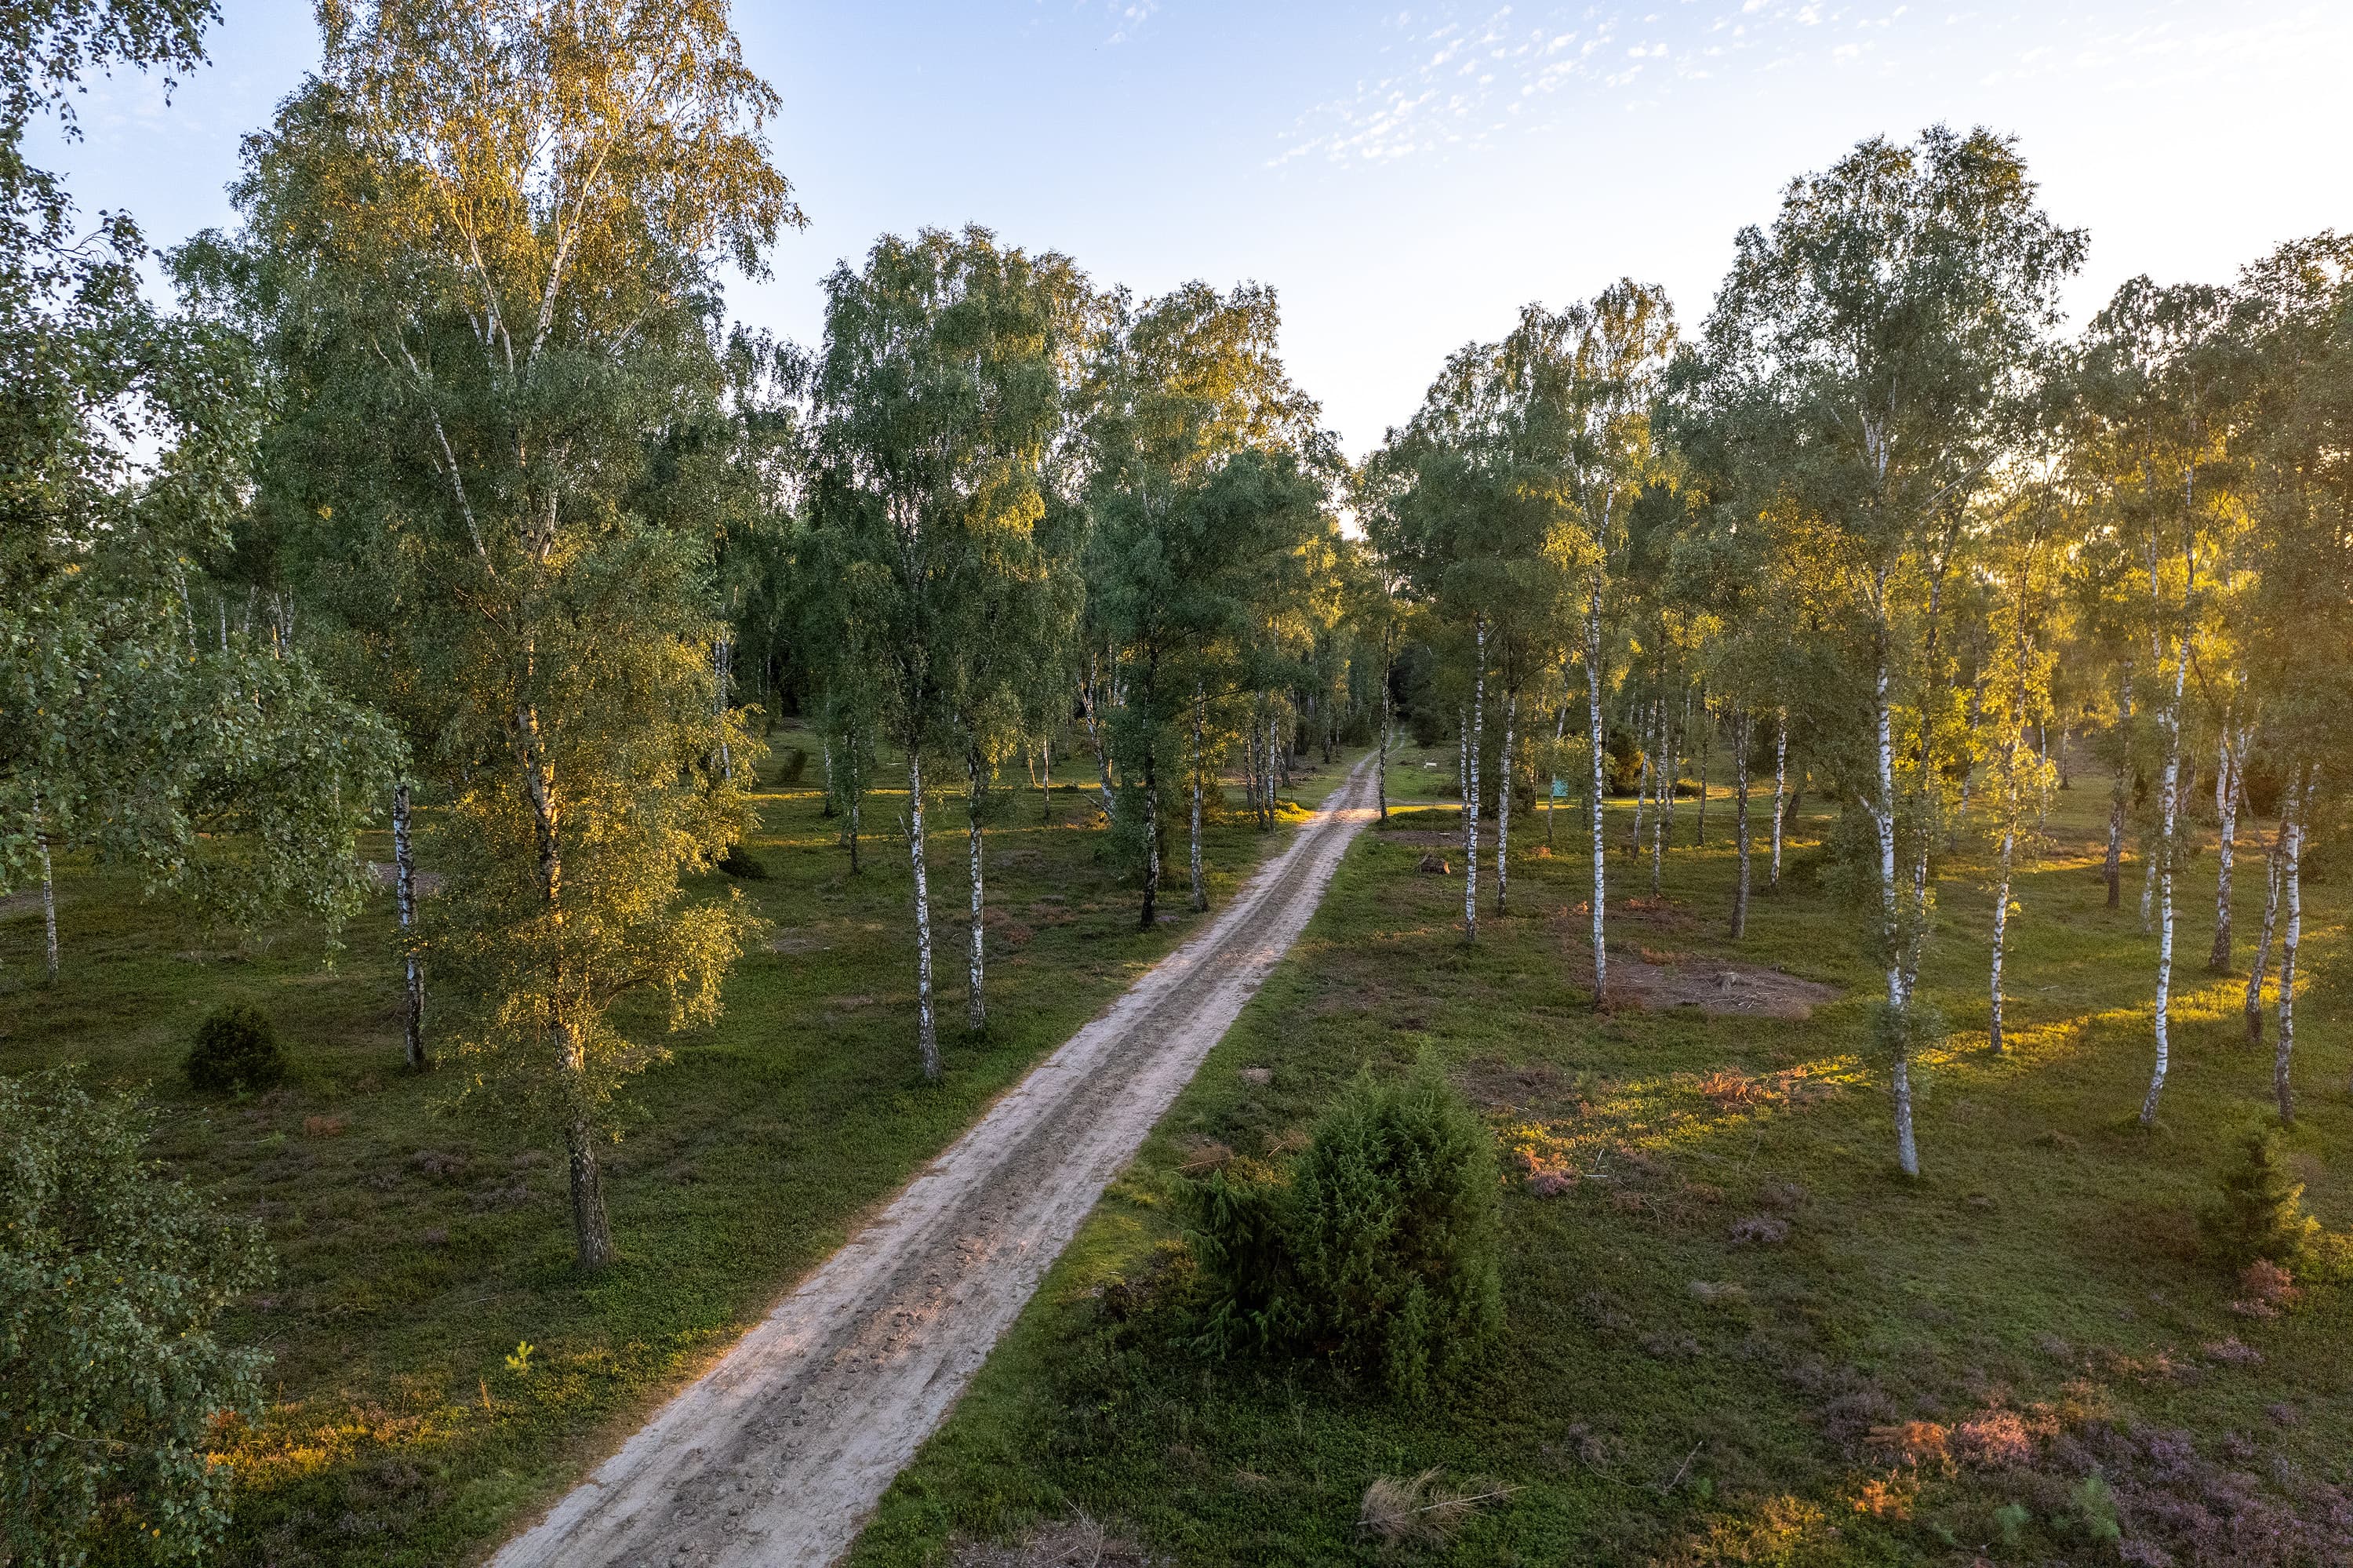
1406 176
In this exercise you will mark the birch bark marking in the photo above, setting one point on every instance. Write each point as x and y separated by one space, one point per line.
1642 783
1471 803
1883 812
1780 783
1739 822
1503 803
927 1031
2227 787
403 886
48 889
2262 965
1046 777
1673 733
1662 792
1094 733
2281 1083
2001 884
1381 763
976 999
2162 863
1200 889
1593 798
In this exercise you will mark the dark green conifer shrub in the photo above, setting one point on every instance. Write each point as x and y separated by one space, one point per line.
237 1047
794 761
2258 1212
1381 1250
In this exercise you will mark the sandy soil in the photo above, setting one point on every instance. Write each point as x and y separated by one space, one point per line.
777 1455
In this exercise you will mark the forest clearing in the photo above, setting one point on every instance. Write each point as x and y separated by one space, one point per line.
963 940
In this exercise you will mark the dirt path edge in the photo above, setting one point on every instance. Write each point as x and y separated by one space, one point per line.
776 1456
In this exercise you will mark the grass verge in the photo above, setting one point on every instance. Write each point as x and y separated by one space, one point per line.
420 1245
1733 1333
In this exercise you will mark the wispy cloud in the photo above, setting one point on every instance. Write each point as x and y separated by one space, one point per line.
1457 81
1128 18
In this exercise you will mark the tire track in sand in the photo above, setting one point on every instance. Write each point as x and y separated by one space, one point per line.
776 1456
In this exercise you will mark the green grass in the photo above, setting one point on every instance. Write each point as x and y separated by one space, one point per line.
2037 1301
419 1244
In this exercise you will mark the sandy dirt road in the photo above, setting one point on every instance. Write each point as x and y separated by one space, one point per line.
775 1456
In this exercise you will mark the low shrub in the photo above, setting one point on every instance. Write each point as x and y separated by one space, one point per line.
2258 1212
1380 1246
795 762
235 1047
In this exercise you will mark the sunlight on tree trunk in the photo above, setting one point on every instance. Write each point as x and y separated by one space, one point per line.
1740 822
927 1033
2162 862
975 1006
1503 803
1780 783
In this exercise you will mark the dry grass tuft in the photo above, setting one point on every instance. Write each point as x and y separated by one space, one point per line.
1419 1510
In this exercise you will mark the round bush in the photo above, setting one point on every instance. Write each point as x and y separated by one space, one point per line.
1384 1249
1395 1234
236 1048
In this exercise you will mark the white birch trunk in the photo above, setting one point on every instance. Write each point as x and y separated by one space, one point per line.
404 885
1780 783
2227 790
976 999
1673 732
2000 931
1095 739
1662 791
1503 804
1471 807
1200 888
1899 999
1739 820
2281 1083
927 1033
1600 844
2161 863
1381 764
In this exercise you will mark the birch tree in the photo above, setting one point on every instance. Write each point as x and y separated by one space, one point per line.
939 384
488 234
1875 333
2156 399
